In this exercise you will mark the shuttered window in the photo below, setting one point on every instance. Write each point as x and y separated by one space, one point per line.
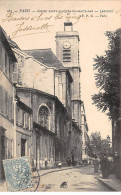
21 118
27 120
5 63
9 64
1 99
11 108
11 148
6 103
9 102
1 63
24 119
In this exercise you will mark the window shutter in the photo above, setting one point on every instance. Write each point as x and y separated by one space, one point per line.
11 108
1 64
61 91
17 115
9 102
1 99
6 145
7 108
6 63
9 67
6 101
29 122
26 121
14 76
12 148
21 117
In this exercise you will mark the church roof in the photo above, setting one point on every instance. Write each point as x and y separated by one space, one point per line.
45 56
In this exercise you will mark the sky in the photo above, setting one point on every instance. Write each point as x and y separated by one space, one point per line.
92 40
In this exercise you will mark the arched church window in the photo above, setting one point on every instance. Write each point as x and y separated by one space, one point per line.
43 118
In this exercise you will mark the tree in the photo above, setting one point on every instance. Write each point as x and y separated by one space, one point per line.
108 76
96 145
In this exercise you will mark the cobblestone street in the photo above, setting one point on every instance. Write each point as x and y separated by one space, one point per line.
78 179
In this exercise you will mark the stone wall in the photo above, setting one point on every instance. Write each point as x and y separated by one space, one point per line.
32 74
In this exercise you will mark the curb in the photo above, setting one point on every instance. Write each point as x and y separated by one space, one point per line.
58 170
108 186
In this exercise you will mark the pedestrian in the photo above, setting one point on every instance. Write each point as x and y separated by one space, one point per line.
68 161
116 165
96 165
104 166
111 164
73 162
60 164
46 163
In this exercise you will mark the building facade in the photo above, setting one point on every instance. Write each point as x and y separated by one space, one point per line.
15 116
7 64
40 103
50 127
51 72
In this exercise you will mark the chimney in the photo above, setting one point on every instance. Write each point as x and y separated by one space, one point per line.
68 26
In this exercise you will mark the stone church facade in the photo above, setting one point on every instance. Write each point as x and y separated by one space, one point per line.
45 102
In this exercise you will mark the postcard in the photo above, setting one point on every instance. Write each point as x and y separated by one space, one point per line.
60 96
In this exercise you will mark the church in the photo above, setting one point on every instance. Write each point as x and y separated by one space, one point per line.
46 122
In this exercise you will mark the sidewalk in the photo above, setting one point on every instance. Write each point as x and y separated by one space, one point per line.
112 183
46 171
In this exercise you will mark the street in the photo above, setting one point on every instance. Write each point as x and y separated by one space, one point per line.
81 179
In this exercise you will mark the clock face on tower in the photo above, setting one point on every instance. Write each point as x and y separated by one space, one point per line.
66 45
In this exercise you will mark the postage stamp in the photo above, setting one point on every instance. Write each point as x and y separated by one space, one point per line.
18 173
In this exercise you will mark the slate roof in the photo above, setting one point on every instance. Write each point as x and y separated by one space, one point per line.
45 56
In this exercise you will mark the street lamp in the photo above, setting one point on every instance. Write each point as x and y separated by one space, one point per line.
108 140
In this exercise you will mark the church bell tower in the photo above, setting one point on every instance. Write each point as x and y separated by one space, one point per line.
67 51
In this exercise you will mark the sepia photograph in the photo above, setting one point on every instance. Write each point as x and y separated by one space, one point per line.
60 96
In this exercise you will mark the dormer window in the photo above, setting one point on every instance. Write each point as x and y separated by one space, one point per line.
43 60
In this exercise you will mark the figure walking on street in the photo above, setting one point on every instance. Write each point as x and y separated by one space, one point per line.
68 161
96 165
116 165
104 166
